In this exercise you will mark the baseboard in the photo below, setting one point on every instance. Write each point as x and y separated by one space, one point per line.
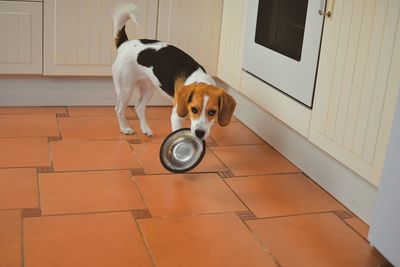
63 91
350 189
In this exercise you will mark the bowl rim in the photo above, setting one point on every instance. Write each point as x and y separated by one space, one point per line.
203 152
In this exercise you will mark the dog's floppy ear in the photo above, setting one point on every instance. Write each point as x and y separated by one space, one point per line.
183 98
226 108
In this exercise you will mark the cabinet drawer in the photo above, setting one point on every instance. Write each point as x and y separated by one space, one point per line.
20 37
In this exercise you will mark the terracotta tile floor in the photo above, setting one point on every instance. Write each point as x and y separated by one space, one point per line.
75 192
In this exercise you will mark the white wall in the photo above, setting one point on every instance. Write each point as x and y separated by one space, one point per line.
385 230
62 91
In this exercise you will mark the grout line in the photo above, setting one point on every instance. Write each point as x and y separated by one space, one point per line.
97 170
140 193
22 241
263 174
38 190
178 215
89 213
366 239
240 199
298 214
259 241
146 244
216 156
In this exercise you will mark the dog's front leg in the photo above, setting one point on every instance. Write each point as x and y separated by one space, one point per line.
176 121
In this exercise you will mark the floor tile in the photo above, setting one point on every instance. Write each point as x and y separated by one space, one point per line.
18 189
161 129
24 152
187 193
97 111
32 110
91 128
104 239
82 192
280 195
253 160
358 225
93 155
235 133
149 156
314 240
29 125
159 113
10 239
206 240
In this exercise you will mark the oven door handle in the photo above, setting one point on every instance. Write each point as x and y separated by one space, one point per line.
325 12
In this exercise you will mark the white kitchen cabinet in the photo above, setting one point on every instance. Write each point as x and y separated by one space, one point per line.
78 34
193 26
294 114
357 83
231 42
20 37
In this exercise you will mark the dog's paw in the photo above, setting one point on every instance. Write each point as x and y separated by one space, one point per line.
147 131
127 131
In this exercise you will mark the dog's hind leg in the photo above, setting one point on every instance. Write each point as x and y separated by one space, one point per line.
123 96
122 103
146 90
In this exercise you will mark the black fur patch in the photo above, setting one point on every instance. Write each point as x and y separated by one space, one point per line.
169 64
121 37
148 41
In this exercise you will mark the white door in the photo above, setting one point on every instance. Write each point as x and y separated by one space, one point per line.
282 44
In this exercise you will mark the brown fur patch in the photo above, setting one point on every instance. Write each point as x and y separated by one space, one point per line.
189 100
179 82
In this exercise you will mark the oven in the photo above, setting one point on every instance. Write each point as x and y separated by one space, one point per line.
282 42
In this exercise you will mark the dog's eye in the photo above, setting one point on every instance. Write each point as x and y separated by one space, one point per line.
194 110
211 112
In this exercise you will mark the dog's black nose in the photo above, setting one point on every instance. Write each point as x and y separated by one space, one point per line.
200 133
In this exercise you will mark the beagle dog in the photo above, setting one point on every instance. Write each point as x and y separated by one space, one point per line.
149 64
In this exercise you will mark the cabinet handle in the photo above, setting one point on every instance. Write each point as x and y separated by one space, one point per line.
326 13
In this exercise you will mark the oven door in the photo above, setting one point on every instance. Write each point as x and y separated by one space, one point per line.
282 42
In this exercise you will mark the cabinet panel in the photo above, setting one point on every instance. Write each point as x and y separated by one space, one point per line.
79 34
20 38
231 42
357 83
193 26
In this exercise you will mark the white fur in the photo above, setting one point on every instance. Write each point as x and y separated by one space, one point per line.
176 121
128 75
122 14
202 123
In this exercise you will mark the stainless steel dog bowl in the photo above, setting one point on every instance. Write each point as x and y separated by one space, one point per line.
181 151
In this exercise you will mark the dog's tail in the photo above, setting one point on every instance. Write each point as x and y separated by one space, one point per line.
120 17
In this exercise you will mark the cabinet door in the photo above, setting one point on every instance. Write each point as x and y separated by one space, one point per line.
78 34
20 38
231 42
357 83
193 26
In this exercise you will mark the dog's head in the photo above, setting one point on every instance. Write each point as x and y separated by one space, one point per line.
205 104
